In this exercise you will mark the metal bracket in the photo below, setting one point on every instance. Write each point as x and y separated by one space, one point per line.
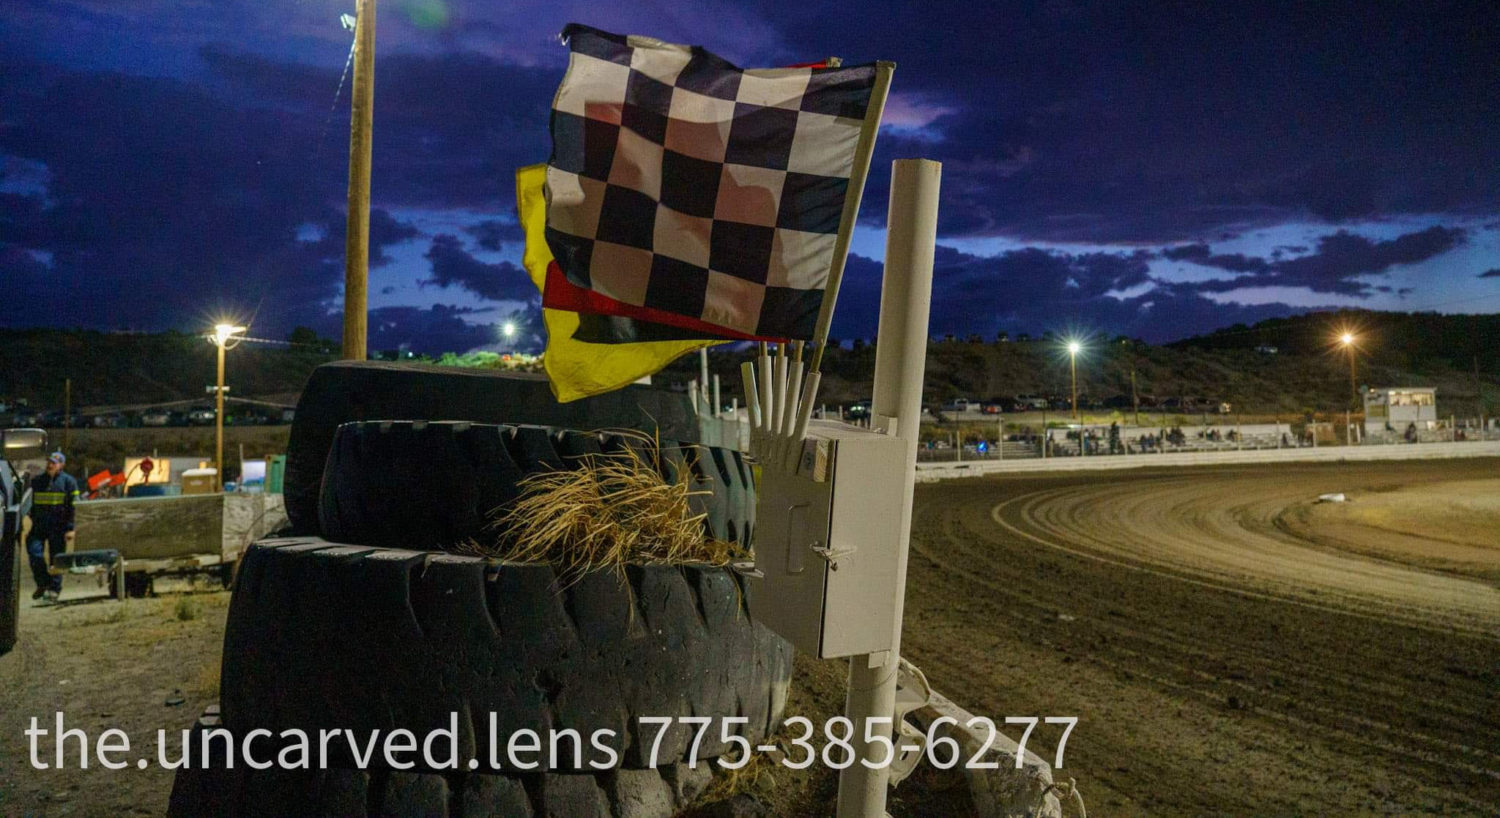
912 693
747 569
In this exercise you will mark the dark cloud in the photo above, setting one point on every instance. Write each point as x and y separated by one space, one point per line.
440 328
492 233
1334 266
1201 254
1495 273
1035 290
1113 122
452 265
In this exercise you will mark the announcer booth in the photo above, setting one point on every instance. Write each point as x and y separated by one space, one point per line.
1396 409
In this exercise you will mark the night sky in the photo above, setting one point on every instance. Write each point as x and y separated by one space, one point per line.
1155 170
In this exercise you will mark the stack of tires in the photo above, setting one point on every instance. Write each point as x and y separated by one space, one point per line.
364 621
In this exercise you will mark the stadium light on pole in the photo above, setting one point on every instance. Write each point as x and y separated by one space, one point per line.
1348 340
1073 349
225 336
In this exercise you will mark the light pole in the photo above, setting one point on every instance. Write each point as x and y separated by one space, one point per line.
1348 339
1073 348
225 336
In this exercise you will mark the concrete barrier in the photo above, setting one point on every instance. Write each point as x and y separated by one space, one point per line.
932 472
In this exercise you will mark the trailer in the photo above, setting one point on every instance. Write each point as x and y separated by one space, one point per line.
177 542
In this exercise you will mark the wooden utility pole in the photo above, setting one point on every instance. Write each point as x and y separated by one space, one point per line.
357 239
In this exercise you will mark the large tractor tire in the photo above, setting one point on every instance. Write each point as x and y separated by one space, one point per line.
345 391
325 636
429 486
223 791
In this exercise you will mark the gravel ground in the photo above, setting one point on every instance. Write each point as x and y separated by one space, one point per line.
147 665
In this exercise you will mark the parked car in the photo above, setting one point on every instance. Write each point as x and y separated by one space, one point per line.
156 417
107 420
994 406
200 416
959 405
858 410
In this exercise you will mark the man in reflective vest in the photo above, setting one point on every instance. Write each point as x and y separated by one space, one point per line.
52 496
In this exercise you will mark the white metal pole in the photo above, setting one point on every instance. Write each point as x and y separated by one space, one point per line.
715 412
703 382
900 361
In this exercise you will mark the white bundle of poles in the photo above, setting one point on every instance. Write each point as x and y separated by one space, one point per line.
780 402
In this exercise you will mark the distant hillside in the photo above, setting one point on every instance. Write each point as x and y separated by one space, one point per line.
127 369
1305 372
1406 341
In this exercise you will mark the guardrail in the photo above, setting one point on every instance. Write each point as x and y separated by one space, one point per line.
931 472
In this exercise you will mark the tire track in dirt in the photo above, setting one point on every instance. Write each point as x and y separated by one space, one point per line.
1324 682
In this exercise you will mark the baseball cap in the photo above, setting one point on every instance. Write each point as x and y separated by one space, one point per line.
57 457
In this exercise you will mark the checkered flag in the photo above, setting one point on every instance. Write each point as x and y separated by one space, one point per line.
686 191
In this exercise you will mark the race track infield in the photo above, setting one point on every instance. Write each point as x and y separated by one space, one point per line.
1230 647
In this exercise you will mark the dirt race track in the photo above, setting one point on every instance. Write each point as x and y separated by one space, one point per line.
1230 647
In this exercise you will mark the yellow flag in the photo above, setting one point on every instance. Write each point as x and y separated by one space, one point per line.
577 369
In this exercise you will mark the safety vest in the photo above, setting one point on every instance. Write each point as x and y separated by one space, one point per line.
52 500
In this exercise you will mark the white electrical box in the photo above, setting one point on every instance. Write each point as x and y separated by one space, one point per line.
828 541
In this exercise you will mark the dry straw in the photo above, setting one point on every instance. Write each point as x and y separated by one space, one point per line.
606 512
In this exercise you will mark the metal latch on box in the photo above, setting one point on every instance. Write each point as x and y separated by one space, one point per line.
832 554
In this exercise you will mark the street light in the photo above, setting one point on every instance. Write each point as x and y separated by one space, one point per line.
1073 349
1348 339
225 336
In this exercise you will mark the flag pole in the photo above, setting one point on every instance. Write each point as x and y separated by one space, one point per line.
357 235
863 152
